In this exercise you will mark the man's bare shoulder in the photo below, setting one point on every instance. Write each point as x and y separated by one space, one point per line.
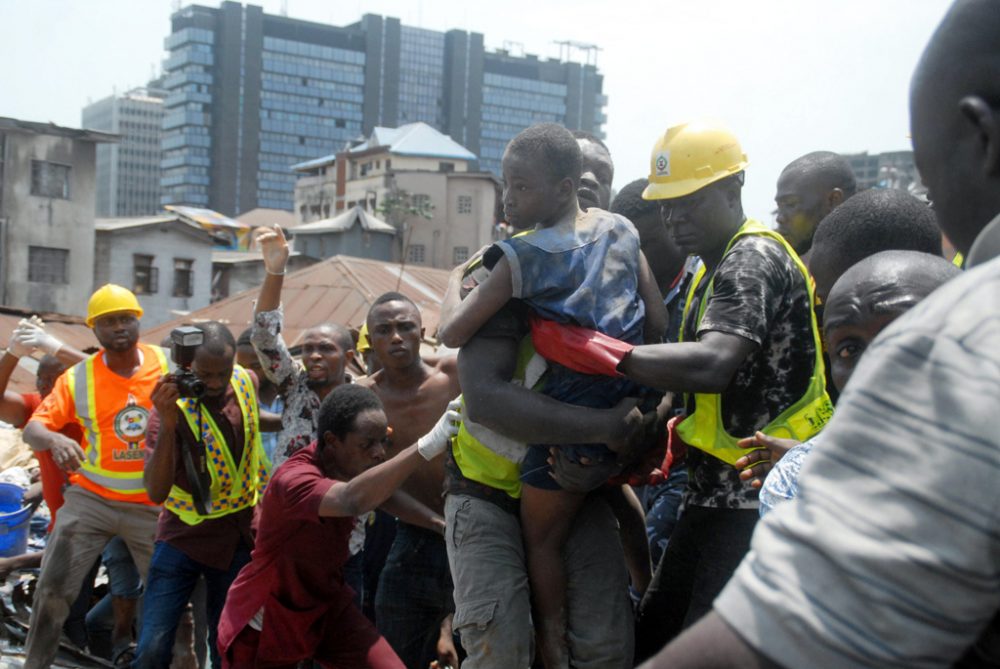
447 365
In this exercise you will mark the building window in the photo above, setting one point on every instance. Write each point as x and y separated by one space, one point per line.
145 277
446 167
47 265
416 253
49 179
459 255
465 204
183 277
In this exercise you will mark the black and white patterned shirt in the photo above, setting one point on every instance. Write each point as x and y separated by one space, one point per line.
759 294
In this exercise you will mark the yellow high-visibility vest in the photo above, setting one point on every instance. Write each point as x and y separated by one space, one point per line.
233 488
704 429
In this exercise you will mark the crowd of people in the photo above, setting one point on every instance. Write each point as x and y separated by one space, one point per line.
671 436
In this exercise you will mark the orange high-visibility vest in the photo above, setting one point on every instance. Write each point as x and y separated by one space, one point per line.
113 412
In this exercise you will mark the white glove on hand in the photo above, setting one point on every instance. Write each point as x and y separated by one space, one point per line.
15 345
32 333
436 441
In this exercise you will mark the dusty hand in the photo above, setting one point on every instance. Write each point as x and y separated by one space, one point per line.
436 441
628 426
32 333
447 654
66 453
273 248
756 464
165 396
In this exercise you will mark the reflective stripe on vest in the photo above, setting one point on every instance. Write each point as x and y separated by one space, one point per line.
704 429
80 379
232 489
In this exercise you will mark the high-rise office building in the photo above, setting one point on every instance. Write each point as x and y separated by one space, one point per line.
128 173
251 94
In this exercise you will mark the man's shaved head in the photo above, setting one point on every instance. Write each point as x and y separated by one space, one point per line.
955 119
872 294
339 333
809 188
890 282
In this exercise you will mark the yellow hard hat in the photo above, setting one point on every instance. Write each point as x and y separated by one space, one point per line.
689 157
110 298
363 343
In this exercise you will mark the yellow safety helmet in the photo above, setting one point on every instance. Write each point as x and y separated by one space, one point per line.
363 343
110 298
689 157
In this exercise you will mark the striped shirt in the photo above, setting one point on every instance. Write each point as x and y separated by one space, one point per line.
890 554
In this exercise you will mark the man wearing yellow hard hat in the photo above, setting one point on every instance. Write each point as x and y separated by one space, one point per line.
108 396
748 360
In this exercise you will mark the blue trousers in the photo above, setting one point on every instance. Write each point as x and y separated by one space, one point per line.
414 594
172 578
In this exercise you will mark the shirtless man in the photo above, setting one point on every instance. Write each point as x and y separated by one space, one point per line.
414 595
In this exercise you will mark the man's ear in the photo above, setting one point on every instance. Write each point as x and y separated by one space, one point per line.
567 188
986 122
329 439
835 198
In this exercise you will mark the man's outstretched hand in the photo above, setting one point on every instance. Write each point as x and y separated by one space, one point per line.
755 465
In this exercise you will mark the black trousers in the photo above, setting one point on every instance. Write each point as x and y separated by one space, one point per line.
704 550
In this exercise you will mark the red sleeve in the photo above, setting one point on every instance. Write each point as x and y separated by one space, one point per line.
299 488
31 404
57 410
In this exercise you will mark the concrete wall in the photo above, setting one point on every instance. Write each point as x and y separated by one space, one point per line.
32 220
448 229
250 275
115 263
355 242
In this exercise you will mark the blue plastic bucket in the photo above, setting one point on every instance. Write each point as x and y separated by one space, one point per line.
15 521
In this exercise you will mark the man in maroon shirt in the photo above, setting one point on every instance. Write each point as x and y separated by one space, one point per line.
220 432
291 603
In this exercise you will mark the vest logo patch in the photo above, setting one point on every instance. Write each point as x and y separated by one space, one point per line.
130 423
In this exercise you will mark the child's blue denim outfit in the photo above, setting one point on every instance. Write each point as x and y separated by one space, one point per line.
587 275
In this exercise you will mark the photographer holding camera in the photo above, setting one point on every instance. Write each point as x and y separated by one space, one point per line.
206 465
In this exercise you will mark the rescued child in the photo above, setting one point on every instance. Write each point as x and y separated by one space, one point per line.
582 268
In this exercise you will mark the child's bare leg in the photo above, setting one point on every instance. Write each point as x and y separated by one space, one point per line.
546 519
632 532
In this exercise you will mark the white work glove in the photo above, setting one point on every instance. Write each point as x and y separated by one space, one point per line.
436 441
16 346
33 334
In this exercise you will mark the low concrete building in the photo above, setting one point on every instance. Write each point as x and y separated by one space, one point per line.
352 233
236 271
418 180
165 260
47 204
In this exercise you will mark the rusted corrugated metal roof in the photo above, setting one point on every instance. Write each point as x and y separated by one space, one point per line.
337 290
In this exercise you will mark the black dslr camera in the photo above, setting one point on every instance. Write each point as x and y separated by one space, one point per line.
184 342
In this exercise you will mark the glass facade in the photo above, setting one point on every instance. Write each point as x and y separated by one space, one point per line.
276 91
421 76
310 101
187 118
511 104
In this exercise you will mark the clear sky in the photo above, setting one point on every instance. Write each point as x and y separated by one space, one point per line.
789 76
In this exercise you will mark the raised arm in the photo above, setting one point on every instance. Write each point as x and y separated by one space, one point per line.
461 319
13 410
158 472
277 363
